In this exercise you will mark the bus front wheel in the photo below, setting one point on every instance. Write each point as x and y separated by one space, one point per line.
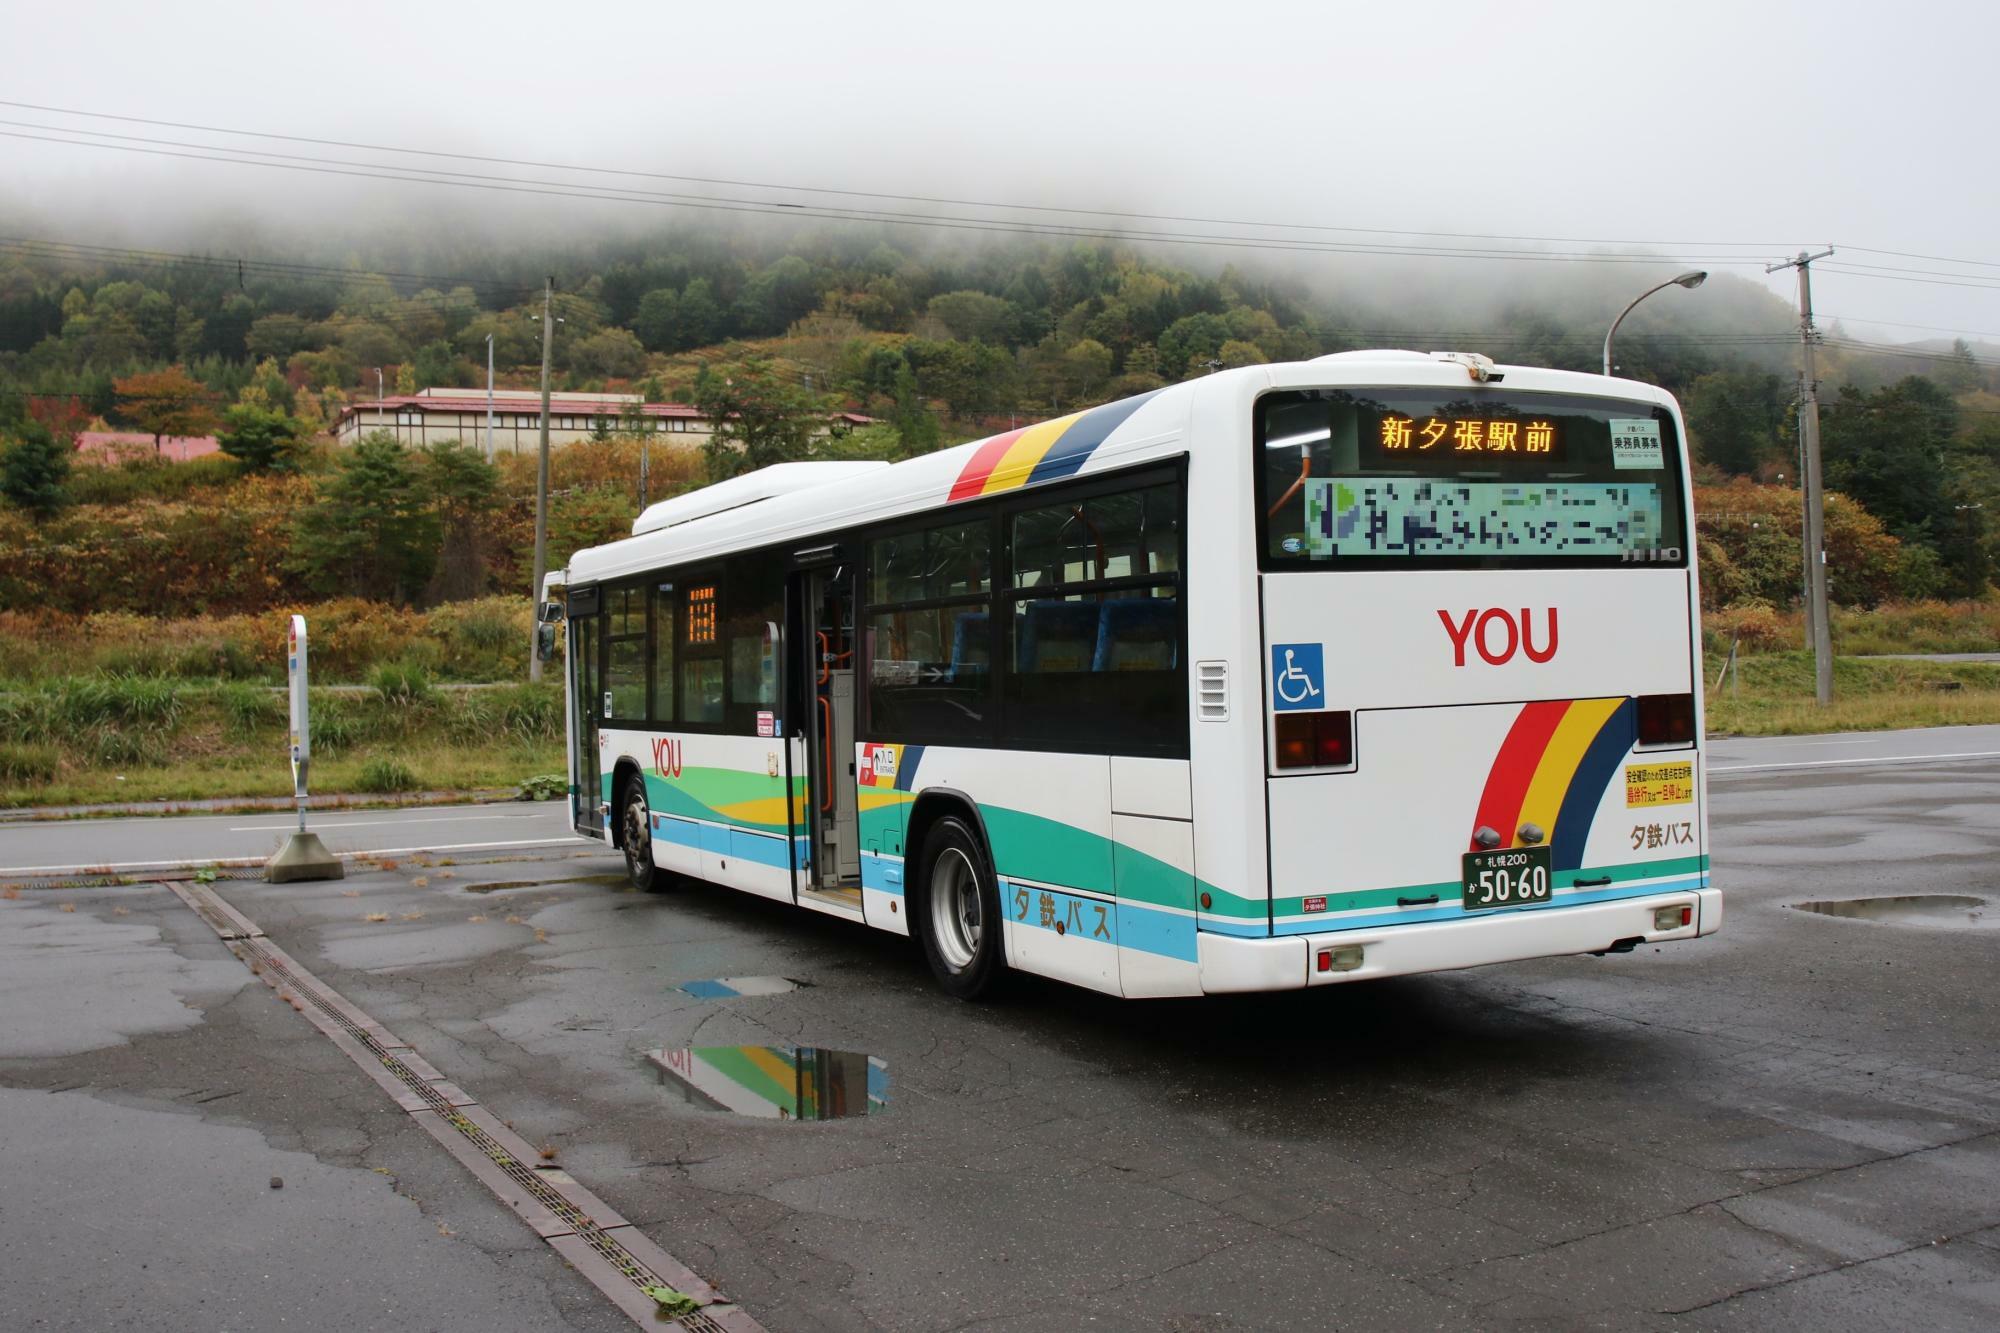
635 830
959 916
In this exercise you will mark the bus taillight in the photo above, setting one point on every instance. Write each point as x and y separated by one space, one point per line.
1666 719
1315 740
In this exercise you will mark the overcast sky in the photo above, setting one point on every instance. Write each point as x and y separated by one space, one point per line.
1738 132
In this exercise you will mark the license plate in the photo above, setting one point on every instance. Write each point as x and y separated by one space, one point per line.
1507 878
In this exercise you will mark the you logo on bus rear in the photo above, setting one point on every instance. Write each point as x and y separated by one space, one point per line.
1496 635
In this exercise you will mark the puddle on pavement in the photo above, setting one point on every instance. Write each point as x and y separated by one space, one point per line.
1939 911
777 1082
724 988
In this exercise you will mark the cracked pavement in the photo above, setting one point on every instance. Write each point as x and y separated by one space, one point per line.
1792 1124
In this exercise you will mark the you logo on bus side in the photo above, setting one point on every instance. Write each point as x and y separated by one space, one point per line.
666 757
1497 635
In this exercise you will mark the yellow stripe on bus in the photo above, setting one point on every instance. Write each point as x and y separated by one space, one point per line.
1573 735
1022 455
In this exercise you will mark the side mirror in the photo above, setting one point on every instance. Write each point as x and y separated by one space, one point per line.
545 642
549 613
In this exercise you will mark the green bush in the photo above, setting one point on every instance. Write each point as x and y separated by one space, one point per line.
148 478
341 721
27 764
401 684
544 787
531 712
386 775
82 702
252 708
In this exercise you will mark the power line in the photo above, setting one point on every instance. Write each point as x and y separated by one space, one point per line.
1898 277
1892 324
1917 272
561 190
862 194
1905 254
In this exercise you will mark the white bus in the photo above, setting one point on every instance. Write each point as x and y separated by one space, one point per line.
1370 665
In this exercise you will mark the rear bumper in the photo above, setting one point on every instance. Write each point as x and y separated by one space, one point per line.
1229 963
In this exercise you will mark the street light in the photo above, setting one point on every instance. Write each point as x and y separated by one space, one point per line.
1687 280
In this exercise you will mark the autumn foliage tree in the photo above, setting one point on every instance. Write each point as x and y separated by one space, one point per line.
65 417
165 402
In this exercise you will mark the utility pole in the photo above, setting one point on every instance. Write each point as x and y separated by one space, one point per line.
1817 625
542 471
489 401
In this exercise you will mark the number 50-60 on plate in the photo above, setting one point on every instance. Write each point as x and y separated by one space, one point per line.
1510 877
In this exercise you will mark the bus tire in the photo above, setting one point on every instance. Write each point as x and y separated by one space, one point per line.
635 831
958 911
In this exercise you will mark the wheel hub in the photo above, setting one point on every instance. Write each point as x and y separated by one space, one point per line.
956 918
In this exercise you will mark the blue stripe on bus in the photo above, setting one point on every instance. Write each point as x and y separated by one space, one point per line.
881 874
1168 934
1091 429
766 849
680 832
1614 740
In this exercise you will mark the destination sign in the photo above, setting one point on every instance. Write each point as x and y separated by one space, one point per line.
1425 441
701 614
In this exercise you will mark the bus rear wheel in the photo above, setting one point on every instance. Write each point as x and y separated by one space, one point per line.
959 916
635 830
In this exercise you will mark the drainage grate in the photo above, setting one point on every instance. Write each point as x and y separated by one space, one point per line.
568 1221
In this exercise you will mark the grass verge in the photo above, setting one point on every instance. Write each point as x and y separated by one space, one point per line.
86 740
122 739
1774 695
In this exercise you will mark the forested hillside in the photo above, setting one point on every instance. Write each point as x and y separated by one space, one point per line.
263 345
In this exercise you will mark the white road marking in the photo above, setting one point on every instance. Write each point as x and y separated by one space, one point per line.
16 872
1843 763
371 823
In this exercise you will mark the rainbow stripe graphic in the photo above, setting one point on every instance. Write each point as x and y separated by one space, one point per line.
1553 769
1047 451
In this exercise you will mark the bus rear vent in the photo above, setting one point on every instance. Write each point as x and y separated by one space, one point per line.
1212 691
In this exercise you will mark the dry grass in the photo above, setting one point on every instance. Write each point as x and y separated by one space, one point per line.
1893 627
1774 696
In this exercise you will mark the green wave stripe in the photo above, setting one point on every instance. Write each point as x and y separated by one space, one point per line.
699 793
734 1063
1035 847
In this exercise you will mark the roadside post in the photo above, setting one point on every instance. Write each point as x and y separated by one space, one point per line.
304 856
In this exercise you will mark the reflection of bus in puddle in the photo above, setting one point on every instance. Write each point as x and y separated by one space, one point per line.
779 1082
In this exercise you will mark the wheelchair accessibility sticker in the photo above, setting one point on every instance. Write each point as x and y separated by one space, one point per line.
1298 677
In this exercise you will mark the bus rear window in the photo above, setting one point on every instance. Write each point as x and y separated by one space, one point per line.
1373 478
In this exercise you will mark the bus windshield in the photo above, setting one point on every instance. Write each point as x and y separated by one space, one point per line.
1377 478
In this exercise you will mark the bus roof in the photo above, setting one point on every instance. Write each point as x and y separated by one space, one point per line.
798 501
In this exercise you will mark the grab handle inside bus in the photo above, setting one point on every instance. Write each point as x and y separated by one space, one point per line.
826 753
1305 470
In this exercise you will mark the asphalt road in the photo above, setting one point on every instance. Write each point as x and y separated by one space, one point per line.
30 848
1776 754
1794 1124
27 848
